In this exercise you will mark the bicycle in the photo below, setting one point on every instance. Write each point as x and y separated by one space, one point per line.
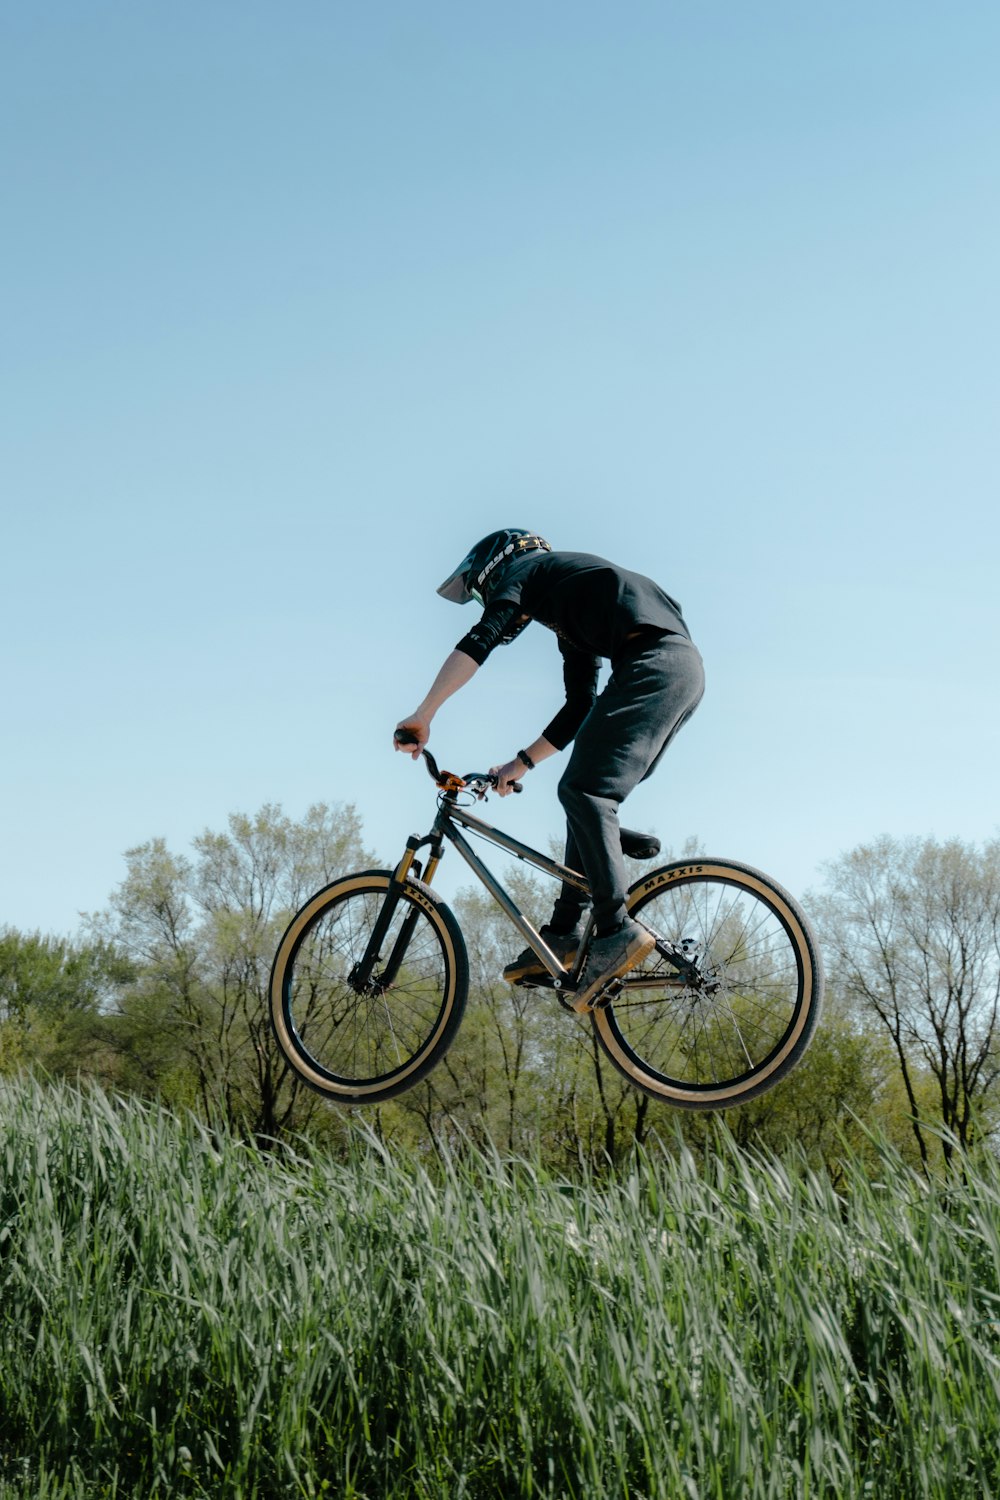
370 980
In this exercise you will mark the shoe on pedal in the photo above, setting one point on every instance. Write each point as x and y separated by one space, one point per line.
608 959
527 964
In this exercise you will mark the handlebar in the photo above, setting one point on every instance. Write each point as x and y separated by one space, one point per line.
449 781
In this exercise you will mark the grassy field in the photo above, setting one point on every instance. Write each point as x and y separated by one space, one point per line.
180 1317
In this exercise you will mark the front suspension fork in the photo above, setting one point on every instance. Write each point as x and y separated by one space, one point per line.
361 976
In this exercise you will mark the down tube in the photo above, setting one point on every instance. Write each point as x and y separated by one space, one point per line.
496 890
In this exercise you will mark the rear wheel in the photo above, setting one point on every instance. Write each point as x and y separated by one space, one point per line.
362 1014
738 1014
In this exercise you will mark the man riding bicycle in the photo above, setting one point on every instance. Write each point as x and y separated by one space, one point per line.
599 612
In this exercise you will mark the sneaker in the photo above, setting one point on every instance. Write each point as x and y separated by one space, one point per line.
527 964
608 959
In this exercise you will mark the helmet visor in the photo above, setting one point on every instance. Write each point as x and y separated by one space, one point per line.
456 585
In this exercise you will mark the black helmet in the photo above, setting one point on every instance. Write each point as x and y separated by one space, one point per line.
479 571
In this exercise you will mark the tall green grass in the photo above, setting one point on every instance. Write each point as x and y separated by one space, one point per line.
182 1317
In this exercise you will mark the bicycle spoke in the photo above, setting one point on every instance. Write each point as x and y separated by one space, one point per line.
339 1016
716 1023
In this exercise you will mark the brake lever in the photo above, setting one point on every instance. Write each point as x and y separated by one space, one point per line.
489 781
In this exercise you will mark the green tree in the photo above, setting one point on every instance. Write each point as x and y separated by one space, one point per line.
911 930
523 1075
53 997
490 1085
845 1091
201 932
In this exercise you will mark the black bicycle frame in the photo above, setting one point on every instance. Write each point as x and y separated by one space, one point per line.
450 813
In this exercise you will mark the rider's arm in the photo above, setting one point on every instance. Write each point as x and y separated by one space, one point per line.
580 673
456 670
500 624
517 769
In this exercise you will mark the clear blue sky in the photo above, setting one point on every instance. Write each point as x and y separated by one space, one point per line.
300 299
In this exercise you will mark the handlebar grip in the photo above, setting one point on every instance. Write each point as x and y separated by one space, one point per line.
404 737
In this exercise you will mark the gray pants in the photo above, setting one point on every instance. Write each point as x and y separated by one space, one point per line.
655 686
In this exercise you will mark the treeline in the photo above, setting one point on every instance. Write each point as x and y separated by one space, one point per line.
164 996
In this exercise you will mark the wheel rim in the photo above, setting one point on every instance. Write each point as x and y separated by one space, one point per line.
375 1036
742 1015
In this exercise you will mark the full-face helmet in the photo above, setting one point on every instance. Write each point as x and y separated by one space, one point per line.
480 569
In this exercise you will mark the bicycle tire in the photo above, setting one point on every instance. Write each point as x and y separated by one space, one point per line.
361 1046
742 1028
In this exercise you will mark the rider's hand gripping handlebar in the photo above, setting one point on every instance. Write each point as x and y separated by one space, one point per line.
448 781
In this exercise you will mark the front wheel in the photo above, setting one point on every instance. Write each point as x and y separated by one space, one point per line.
368 987
738 1012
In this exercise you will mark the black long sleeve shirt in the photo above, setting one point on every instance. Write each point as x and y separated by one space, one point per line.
592 605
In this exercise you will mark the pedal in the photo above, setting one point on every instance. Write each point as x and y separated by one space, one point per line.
610 992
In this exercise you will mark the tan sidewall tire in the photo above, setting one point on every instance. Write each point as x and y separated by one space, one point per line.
795 1041
455 993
